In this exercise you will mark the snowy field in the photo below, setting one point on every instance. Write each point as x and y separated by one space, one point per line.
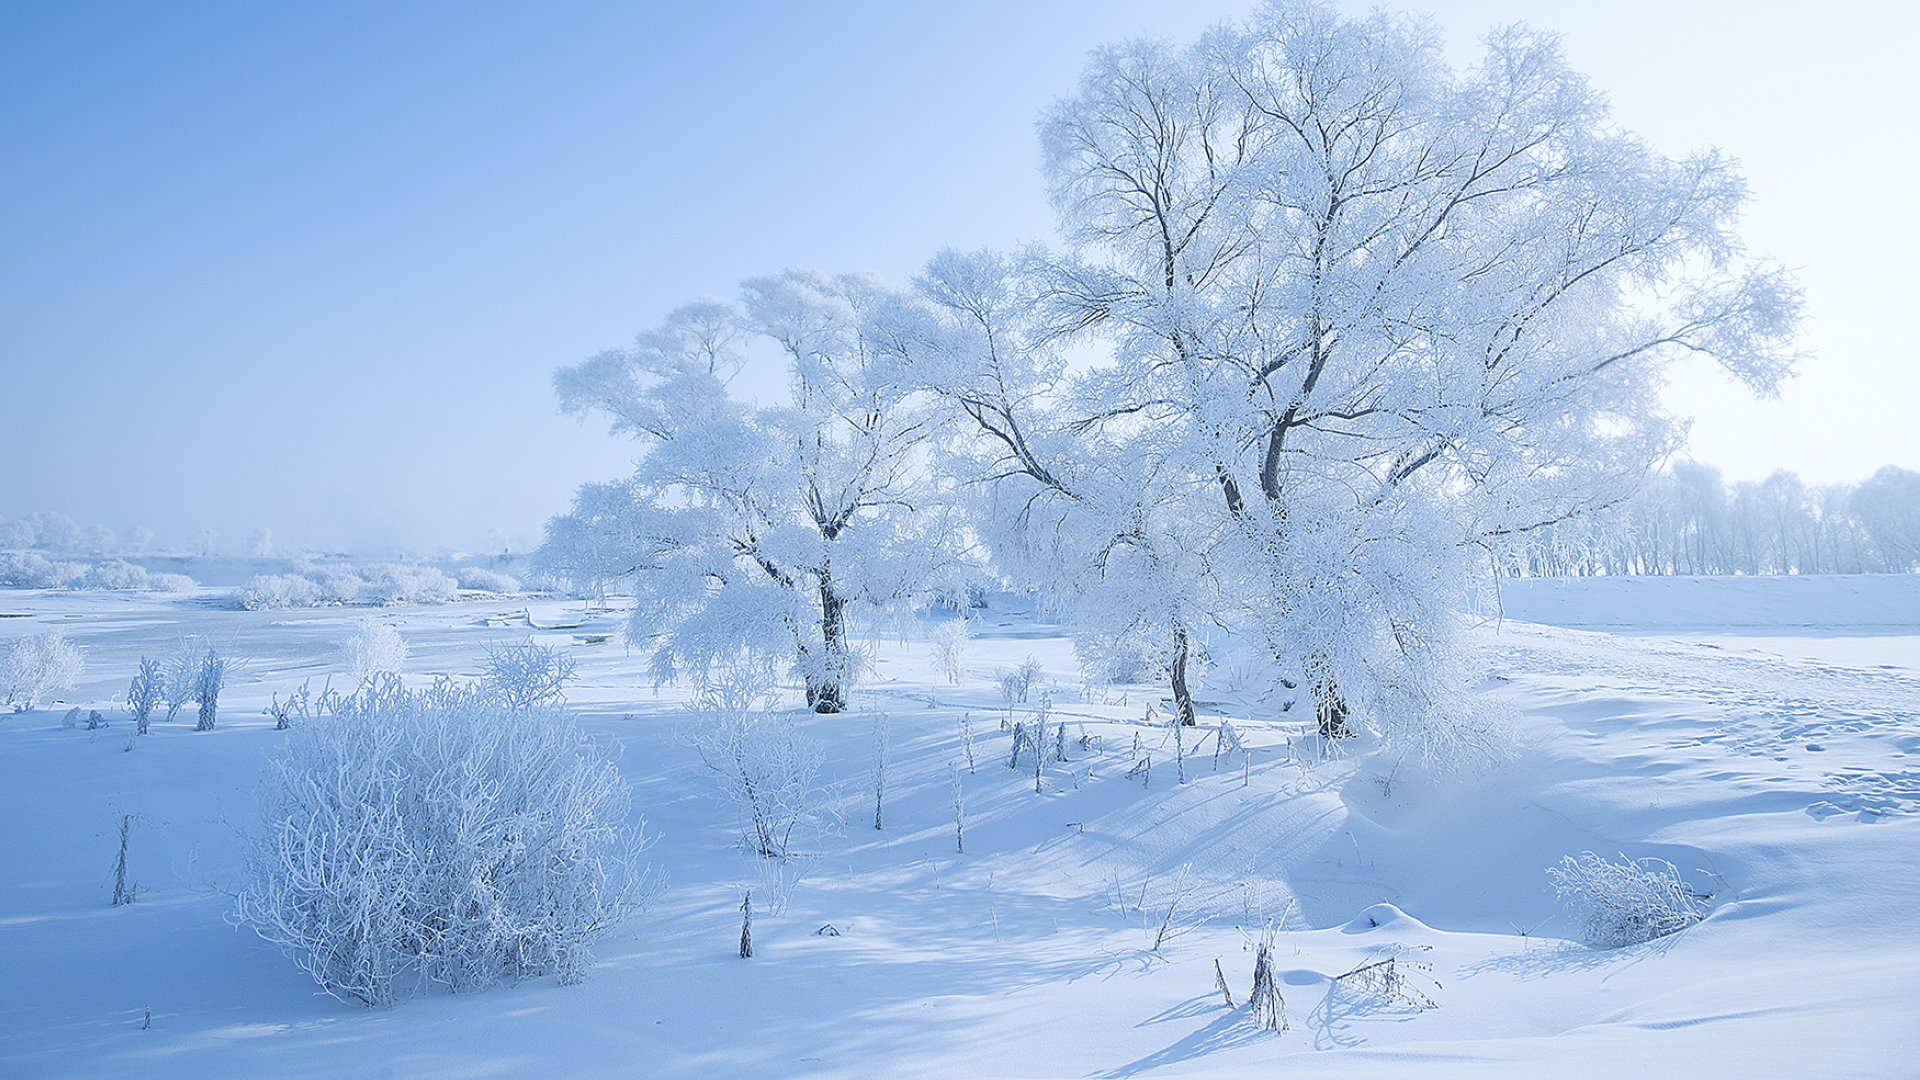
1763 735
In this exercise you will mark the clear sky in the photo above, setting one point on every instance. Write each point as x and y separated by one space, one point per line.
311 267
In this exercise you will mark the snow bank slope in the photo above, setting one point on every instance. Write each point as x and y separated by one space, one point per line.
1851 603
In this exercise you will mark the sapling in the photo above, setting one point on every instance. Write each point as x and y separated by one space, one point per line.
881 752
1226 738
966 738
1039 737
959 811
144 693
950 640
208 682
765 766
122 892
1016 685
181 678
1220 983
746 926
1030 676
1142 764
1020 738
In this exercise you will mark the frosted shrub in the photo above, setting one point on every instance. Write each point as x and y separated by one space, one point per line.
181 678
1017 684
209 678
115 574
145 692
337 584
950 640
399 583
480 580
38 666
171 583
374 649
31 570
527 675
417 839
1627 902
271 592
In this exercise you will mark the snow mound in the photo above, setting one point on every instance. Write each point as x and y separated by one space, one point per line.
1384 916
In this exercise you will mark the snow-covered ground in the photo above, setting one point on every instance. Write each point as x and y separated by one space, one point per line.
1774 758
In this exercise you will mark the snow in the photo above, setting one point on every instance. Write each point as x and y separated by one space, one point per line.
1762 734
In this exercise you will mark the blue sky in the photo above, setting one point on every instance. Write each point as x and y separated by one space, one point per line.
310 267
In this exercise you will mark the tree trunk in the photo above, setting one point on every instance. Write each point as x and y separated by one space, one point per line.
824 690
1182 697
1330 710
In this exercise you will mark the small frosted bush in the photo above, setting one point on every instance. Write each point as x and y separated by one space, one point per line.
479 580
418 839
950 640
1016 685
32 570
171 583
38 666
1627 902
146 693
523 676
374 649
271 592
210 677
116 574
399 583
337 584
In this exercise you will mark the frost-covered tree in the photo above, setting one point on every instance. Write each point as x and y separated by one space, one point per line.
1384 314
57 532
763 529
1097 518
1888 507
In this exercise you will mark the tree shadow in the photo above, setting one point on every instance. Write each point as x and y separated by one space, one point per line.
1561 957
1230 1030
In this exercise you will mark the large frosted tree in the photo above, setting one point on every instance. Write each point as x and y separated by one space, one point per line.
1384 313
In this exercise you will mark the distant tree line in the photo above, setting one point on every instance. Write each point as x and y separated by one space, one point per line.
61 535
1688 521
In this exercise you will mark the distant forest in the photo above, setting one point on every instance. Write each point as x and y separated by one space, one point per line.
1687 521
